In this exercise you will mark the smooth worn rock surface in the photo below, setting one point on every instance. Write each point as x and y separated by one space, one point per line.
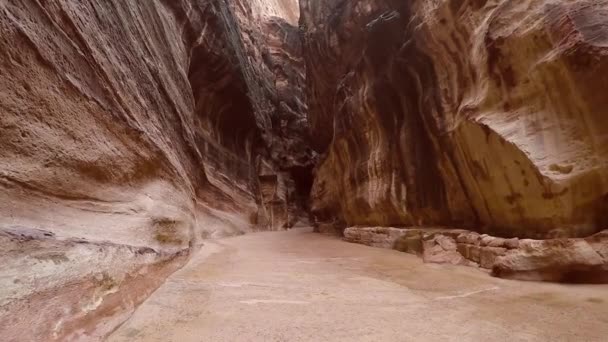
130 131
74 289
484 114
560 260
301 286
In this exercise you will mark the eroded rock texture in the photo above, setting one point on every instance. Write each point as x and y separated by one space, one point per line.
573 260
131 130
274 71
488 115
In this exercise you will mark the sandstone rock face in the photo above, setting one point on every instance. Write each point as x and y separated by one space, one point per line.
270 54
133 130
383 237
572 260
486 114
559 260
130 131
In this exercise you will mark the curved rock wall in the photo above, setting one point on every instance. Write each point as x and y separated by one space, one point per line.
130 131
481 114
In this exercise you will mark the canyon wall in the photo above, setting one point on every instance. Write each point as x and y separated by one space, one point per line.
271 54
486 115
130 132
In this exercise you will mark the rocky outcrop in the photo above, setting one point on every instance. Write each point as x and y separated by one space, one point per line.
130 132
484 114
574 260
559 260
73 289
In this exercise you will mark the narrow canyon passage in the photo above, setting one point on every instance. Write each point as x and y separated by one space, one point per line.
155 156
301 286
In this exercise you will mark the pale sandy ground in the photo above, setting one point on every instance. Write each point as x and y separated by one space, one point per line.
301 286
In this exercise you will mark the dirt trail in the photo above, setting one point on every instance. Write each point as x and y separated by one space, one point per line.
301 286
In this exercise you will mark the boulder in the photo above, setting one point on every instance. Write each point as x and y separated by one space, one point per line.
557 260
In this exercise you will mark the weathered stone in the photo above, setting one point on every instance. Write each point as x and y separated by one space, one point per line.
463 249
512 243
599 242
470 238
485 240
442 249
488 256
497 242
559 260
572 260
475 254
469 252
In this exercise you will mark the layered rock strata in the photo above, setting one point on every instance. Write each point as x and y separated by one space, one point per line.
485 114
130 132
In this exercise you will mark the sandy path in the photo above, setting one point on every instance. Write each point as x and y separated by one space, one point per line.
301 286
